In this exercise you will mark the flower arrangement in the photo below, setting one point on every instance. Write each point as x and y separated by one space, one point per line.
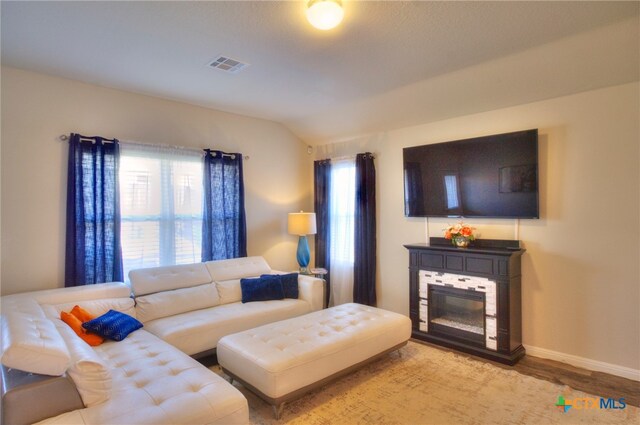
460 234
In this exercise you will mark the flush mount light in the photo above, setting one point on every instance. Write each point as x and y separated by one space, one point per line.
324 14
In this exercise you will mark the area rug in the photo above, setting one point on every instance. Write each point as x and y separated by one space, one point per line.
424 385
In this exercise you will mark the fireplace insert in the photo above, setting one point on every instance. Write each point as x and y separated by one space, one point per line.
457 314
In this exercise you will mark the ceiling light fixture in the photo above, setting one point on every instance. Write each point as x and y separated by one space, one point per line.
324 14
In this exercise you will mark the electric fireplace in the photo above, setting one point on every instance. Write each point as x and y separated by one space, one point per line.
468 299
457 313
459 308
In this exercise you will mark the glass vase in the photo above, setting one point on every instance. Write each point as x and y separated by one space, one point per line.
460 241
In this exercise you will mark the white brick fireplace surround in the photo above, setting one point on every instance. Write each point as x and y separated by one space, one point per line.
467 283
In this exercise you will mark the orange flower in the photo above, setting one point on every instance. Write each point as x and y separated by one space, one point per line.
447 234
466 231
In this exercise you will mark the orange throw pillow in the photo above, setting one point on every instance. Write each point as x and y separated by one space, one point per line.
75 324
82 314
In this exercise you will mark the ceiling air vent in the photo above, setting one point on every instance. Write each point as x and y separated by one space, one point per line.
226 64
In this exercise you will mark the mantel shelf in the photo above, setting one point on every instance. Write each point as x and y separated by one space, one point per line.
487 246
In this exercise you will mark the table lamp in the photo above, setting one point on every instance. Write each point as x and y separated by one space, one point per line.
302 224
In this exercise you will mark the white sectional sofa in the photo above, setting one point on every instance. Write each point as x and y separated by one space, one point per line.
49 375
179 304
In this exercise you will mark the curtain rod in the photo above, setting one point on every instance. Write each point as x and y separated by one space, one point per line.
64 138
340 158
186 148
214 153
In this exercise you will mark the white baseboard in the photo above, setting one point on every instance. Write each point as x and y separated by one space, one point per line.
612 369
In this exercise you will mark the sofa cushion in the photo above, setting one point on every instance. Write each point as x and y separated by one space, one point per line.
169 303
237 268
230 291
157 279
94 307
289 284
88 371
76 325
264 288
33 344
198 331
113 325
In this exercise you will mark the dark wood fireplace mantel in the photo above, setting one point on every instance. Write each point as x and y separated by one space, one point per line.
496 260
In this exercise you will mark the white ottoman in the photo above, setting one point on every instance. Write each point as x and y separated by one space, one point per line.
282 360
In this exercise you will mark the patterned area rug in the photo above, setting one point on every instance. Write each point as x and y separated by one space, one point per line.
424 385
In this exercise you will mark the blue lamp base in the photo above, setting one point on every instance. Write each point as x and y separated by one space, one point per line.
303 255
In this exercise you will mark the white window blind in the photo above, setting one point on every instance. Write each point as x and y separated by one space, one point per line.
342 194
161 205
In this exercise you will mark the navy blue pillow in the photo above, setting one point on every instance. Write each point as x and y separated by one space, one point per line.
113 325
261 289
289 284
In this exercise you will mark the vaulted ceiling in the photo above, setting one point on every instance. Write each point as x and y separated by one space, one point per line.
389 64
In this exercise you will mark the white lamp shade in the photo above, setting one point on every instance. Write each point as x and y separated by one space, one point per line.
302 223
324 14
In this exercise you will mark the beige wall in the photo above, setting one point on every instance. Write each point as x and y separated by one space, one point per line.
36 109
581 273
581 278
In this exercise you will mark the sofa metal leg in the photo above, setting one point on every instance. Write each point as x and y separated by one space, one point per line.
277 410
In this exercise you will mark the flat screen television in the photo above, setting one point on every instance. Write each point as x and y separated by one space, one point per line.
492 176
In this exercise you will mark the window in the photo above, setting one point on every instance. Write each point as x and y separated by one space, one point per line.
161 206
342 188
345 204
342 195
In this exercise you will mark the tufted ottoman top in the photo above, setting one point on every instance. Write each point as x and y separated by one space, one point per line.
285 356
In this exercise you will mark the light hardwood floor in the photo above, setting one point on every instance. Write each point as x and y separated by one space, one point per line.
596 383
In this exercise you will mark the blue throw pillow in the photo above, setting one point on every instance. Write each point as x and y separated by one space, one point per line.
289 284
113 325
261 289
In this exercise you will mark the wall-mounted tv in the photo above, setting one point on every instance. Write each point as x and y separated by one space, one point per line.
492 176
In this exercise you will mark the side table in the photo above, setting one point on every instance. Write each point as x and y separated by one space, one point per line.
320 273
